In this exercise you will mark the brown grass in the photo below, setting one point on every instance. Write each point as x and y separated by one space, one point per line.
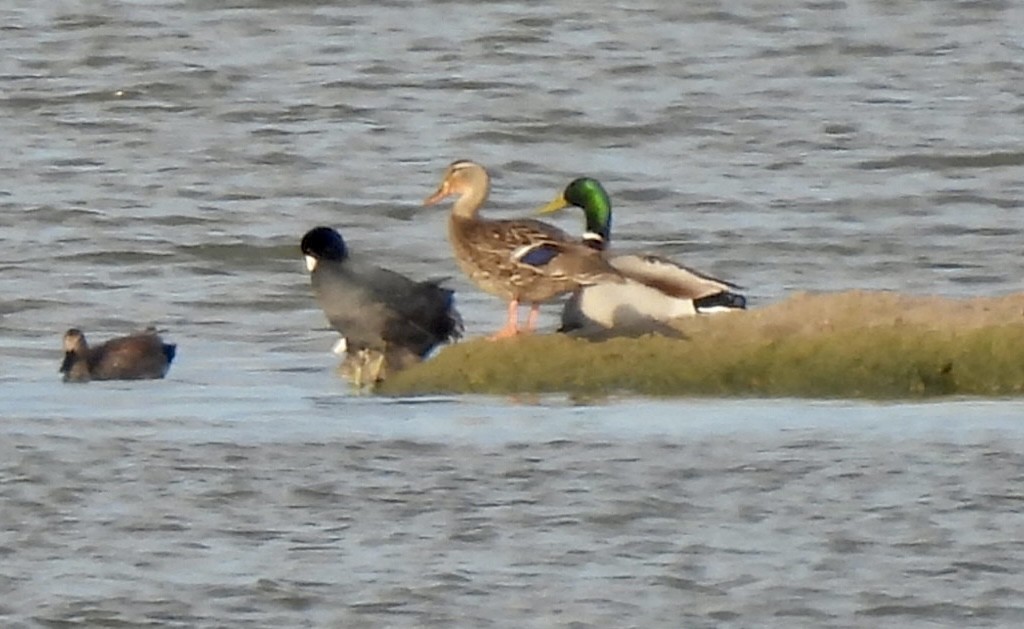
853 344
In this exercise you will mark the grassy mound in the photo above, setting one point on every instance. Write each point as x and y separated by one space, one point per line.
853 344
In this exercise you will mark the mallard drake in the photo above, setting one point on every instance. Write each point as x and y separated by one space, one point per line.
659 290
388 321
140 356
519 260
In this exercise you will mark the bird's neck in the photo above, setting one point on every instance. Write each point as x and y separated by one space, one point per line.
595 240
472 198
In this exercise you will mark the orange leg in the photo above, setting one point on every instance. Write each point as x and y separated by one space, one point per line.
511 323
531 321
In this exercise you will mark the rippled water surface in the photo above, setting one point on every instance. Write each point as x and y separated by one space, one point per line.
160 161
442 513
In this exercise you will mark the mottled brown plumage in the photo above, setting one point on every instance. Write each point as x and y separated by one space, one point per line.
520 260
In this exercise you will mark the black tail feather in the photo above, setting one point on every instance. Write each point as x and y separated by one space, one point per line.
720 301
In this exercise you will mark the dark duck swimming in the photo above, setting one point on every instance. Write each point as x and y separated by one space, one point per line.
139 356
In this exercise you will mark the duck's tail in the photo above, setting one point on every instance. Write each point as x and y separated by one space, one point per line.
170 349
724 301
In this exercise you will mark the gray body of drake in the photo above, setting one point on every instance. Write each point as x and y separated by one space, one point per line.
658 289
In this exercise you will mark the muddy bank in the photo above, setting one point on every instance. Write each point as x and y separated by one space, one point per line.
854 344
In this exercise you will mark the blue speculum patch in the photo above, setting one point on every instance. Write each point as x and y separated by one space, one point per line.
539 255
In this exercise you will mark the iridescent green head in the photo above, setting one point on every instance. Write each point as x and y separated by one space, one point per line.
589 195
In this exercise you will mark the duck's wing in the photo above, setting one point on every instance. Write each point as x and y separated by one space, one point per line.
567 260
532 259
139 356
551 251
670 277
500 238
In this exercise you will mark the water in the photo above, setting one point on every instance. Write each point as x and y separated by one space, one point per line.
161 161
448 513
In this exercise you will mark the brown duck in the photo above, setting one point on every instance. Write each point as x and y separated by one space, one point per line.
136 357
519 260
